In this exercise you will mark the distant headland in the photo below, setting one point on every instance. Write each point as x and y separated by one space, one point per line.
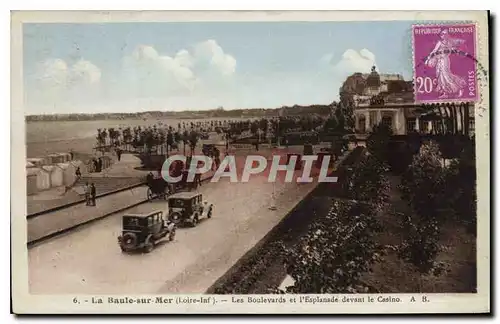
213 113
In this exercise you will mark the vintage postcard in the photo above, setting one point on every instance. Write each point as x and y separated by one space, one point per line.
250 162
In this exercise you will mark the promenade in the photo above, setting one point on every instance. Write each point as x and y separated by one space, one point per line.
62 219
190 264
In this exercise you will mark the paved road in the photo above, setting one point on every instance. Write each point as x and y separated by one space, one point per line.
89 261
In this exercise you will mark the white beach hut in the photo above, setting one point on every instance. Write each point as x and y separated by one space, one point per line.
37 162
65 157
42 178
56 175
68 170
31 180
55 158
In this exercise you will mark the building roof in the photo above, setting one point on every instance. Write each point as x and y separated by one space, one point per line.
184 195
373 79
143 215
32 171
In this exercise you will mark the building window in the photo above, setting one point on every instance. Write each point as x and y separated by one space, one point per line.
361 124
424 126
410 124
472 125
373 118
387 121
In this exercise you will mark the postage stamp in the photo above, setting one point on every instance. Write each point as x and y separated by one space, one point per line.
250 162
444 63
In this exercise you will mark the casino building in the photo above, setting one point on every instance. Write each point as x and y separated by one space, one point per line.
389 99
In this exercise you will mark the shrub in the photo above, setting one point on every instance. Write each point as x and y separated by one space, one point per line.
368 182
335 252
378 142
423 186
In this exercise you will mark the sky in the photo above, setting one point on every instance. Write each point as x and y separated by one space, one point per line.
129 67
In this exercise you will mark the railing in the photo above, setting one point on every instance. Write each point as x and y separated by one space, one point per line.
81 201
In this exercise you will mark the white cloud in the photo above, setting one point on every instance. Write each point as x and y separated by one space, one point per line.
211 55
198 74
351 61
57 73
149 73
55 82
84 72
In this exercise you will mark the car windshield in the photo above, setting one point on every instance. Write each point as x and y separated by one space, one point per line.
176 203
131 222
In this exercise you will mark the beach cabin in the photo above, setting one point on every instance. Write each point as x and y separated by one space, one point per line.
106 162
37 162
65 157
78 163
42 178
55 158
31 180
68 171
56 175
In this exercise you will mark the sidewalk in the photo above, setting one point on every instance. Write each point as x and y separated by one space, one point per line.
64 219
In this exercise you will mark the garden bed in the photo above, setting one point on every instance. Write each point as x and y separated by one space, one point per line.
251 274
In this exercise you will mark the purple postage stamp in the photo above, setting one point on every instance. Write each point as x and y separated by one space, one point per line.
444 63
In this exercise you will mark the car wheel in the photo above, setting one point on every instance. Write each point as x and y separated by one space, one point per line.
171 237
195 220
175 218
129 241
149 244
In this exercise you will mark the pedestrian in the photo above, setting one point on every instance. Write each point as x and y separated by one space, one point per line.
71 154
86 189
149 178
94 162
78 173
119 154
92 193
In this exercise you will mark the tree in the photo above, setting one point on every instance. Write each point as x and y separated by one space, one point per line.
254 127
461 186
185 139
193 138
378 142
170 140
335 252
368 183
423 187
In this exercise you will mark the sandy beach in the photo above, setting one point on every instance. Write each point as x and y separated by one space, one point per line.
43 138
82 145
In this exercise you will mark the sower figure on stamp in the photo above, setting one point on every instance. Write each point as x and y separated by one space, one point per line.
447 82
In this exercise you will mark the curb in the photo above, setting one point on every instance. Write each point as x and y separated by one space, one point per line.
81 201
69 229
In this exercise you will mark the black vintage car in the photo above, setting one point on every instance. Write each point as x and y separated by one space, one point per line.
157 187
188 207
142 231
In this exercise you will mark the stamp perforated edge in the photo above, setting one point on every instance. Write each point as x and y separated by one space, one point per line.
477 47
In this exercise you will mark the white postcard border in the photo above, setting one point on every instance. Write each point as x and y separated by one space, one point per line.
23 302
